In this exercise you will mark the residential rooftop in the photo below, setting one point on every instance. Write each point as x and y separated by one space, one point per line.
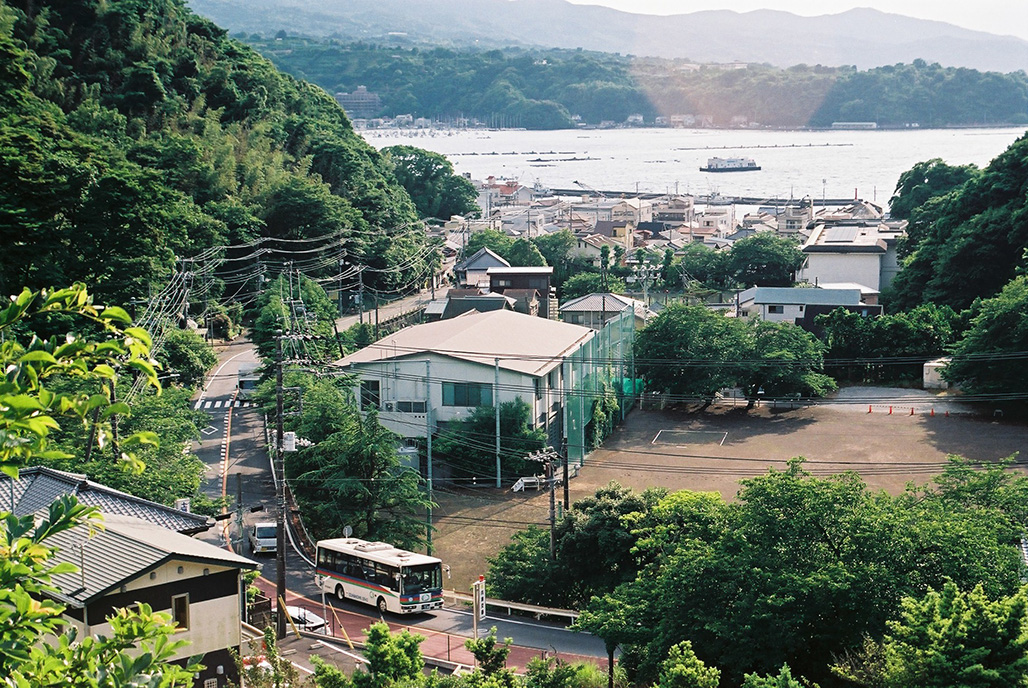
519 342
37 487
123 550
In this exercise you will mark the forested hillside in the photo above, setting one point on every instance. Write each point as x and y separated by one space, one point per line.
135 135
541 89
968 235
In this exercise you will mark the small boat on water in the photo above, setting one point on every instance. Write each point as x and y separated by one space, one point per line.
730 165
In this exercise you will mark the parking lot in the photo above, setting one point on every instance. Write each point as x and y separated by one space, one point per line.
889 445
712 450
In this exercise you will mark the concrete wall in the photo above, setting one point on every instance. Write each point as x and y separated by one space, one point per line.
862 268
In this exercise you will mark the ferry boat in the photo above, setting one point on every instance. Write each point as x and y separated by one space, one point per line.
730 165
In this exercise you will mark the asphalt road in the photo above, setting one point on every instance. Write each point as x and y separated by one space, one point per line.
238 465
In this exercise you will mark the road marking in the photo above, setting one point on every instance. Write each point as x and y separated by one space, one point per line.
216 373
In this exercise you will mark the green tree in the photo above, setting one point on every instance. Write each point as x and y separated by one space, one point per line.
705 266
392 658
186 355
523 253
788 360
764 260
594 551
469 445
986 361
353 477
38 646
557 248
553 672
927 180
490 654
298 307
493 239
784 679
825 558
683 669
429 178
976 231
692 352
590 283
954 638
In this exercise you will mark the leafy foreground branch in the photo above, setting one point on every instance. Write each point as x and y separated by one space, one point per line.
38 645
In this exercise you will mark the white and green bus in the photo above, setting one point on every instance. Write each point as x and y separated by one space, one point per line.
376 573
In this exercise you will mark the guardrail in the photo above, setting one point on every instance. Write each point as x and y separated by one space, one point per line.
534 609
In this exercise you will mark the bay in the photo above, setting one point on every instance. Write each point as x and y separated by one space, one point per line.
794 164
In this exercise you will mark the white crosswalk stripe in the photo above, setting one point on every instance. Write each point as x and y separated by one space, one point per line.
208 404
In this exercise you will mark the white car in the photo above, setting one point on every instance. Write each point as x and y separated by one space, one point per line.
263 538
305 619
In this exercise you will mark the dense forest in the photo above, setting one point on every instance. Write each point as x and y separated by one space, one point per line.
139 140
176 171
545 89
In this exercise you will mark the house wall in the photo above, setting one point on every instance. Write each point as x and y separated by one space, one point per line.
214 613
589 252
862 268
790 312
890 265
213 604
405 380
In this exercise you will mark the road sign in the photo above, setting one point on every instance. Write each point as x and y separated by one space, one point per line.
480 598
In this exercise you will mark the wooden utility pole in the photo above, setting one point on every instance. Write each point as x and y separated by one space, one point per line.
280 494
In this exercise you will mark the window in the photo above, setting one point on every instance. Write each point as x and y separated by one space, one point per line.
180 611
503 283
776 309
467 394
410 406
370 395
210 683
538 388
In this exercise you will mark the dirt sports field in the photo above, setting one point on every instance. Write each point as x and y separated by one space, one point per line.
681 449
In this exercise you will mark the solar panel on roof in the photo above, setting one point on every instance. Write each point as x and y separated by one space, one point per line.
841 234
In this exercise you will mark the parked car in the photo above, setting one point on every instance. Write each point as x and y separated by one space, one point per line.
304 619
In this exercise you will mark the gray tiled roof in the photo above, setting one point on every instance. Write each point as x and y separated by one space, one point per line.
37 487
123 550
597 302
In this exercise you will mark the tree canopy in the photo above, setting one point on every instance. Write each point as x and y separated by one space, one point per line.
968 242
434 188
136 136
692 353
543 88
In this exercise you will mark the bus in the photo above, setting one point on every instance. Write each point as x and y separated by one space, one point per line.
379 574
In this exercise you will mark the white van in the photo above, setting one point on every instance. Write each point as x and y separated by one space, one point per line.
263 538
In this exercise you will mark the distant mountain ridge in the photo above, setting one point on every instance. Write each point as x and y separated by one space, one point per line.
862 37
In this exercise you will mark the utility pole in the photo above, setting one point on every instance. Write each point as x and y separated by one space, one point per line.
550 478
567 494
360 294
548 458
280 494
496 405
428 435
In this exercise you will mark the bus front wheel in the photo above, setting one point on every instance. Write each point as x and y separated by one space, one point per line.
382 608
340 595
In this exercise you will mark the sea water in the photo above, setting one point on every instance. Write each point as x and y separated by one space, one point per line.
794 164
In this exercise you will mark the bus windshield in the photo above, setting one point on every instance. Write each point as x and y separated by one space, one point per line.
424 577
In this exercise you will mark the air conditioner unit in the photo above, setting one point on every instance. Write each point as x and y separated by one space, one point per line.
389 406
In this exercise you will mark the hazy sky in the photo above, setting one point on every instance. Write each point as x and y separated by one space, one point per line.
1004 17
